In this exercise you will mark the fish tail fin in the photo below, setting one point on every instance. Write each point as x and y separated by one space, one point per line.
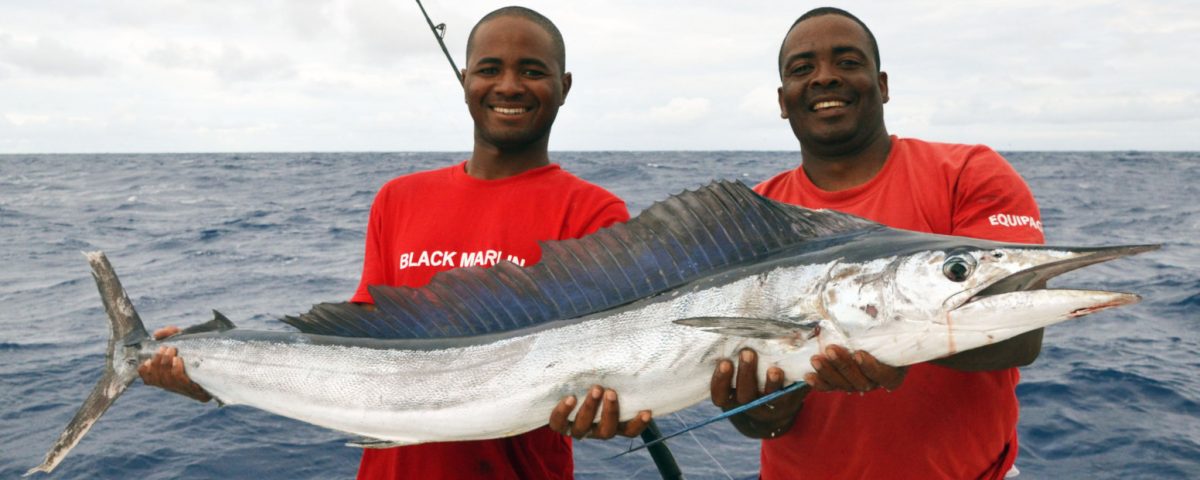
120 370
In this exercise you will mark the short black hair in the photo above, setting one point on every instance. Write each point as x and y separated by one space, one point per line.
820 11
533 16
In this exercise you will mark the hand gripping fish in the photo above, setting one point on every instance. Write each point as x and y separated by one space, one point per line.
647 308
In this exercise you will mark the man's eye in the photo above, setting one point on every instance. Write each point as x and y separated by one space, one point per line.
535 73
488 71
801 69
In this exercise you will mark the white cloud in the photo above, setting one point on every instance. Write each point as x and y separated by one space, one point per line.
47 56
761 102
1073 109
386 31
681 111
226 62
179 75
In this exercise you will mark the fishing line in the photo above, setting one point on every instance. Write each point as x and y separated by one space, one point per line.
679 417
731 412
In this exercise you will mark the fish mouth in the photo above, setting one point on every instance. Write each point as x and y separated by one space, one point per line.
1031 278
1024 292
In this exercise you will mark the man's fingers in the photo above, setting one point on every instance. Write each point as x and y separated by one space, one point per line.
177 368
634 426
886 376
895 380
587 412
165 332
849 369
828 378
747 377
774 380
159 357
609 416
558 416
721 385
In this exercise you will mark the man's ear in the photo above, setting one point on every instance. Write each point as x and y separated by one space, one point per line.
566 86
782 109
883 87
463 73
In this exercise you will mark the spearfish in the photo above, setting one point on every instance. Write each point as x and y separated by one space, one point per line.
647 308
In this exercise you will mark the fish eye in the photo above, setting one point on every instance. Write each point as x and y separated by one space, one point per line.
958 267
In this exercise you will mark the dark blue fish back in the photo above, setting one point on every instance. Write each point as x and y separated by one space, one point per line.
678 240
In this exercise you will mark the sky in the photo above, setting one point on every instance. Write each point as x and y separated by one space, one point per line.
104 76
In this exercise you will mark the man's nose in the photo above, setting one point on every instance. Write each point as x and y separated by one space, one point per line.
826 76
509 83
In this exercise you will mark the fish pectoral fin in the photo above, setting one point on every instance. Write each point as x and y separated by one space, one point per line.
747 327
368 442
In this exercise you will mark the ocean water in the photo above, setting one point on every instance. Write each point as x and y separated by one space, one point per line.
1113 395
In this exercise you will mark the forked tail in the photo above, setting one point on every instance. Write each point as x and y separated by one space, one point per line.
121 361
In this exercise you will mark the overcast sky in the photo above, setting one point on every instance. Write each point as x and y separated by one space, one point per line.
367 75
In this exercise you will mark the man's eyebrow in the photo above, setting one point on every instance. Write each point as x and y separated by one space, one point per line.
848 49
533 61
805 55
524 61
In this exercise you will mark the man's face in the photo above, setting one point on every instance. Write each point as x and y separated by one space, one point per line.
513 83
832 92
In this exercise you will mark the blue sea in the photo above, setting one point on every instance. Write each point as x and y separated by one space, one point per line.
256 236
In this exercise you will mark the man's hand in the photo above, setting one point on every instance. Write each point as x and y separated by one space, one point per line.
769 420
165 370
838 370
609 425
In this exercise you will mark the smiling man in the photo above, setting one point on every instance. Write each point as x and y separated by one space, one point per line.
953 418
494 206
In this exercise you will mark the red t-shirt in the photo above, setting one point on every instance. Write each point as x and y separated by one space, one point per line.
941 423
427 222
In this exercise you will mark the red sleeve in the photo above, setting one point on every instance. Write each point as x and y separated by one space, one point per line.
372 271
612 212
992 202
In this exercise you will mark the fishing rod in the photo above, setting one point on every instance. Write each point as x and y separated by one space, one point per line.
439 32
651 436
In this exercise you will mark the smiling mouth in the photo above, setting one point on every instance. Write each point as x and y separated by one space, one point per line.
828 104
510 110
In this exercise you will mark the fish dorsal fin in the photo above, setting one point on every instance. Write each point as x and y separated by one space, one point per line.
219 323
678 240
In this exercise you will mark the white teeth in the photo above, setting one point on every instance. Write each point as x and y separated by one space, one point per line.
509 111
828 104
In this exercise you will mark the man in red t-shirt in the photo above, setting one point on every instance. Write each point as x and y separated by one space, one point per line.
494 206
952 418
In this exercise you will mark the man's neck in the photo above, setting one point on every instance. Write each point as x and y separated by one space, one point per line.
844 170
490 163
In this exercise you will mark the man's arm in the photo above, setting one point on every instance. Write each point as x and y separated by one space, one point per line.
1018 351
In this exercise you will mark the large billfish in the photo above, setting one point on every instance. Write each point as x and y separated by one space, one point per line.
647 308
